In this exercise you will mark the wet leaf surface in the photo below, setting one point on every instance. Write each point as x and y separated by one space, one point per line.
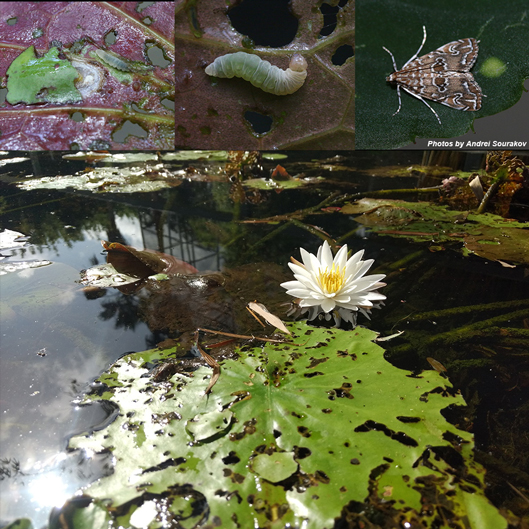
85 102
222 113
283 432
487 235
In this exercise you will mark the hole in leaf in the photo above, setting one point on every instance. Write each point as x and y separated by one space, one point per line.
128 128
110 37
231 458
260 123
12 21
320 476
401 437
157 56
265 22
300 452
304 431
143 5
77 116
315 374
342 54
407 420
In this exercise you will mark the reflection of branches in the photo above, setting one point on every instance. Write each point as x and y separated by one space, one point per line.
124 309
9 468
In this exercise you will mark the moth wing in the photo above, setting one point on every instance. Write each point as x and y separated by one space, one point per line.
457 56
459 91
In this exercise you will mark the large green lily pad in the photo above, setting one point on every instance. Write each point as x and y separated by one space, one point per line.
312 426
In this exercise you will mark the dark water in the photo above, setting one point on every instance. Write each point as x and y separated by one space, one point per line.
55 338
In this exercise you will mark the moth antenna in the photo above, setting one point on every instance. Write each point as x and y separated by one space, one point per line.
392 58
419 50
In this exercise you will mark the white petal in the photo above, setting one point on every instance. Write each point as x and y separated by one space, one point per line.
340 259
361 268
305 256
325 255
356 258
300 271
290 284
299 293
309 303
327 305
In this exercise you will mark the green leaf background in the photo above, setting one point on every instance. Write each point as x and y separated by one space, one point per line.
503 32
291 434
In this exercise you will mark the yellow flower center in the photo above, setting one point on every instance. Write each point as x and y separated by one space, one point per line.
331 281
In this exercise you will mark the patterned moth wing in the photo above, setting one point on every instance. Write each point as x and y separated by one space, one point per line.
442 75
261 73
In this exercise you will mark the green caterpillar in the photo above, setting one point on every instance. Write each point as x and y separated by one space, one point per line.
261 73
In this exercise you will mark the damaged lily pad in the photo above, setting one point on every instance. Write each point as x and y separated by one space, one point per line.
487 235
46 79
326 413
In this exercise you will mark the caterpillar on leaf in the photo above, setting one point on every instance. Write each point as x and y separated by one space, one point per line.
261 73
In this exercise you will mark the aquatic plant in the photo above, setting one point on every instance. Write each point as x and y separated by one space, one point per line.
326 287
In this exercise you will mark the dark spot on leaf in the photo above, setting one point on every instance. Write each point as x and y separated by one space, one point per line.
347 444
355 461
342 353
213 455
343 489
216 521
322 477
406 420
358 381
315 361
249 428
401 437
227 472
388 459
237 478
327 410
296 415
277 434
309 332
304 431
301 452
343 392
231 458
166 464
261 449
315 497
314 374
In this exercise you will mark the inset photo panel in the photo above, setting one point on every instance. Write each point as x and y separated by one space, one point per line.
86 75
443 75
265 75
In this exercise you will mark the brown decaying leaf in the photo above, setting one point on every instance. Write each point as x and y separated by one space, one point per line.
268 316
143 263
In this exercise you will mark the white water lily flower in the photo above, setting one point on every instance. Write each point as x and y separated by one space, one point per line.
334 286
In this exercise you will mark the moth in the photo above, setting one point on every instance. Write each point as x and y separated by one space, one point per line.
261 73
442 75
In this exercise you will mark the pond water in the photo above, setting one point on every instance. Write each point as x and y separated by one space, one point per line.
56 337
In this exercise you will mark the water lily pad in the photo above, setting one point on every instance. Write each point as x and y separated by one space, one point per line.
204 426
275 467
487 235
328 412
47 79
